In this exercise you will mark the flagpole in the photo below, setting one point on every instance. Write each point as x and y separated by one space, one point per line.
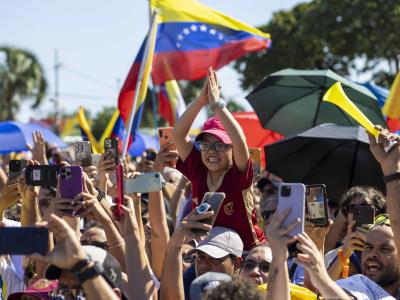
151 84
139 83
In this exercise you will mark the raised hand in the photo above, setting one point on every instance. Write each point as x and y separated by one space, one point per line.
166 157
67 251
28 193
354 240
9 195
213 86
38 148
389 161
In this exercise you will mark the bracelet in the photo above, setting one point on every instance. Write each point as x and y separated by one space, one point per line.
101 194
80 265
96 269
391 177
346 263
116 245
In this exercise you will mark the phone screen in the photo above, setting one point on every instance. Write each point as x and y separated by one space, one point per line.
316 208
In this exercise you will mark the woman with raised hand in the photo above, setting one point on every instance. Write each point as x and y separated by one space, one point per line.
219 162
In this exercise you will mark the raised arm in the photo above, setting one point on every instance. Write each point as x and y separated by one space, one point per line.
232 127
313 263
390 164
184 123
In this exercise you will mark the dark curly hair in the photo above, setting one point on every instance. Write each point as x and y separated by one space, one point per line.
238 289
372 196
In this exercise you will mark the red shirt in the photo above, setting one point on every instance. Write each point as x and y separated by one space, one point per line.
237 211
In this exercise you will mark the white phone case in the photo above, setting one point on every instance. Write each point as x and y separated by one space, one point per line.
144 183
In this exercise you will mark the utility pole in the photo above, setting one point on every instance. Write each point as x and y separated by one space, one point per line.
57 66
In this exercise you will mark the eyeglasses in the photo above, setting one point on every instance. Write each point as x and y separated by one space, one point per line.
266 214
249 265
189 259
217 146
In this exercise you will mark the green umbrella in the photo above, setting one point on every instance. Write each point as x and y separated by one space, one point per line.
290 101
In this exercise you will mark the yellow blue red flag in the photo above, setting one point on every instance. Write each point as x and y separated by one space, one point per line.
170 101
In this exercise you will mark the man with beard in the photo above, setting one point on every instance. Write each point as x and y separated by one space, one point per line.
381 275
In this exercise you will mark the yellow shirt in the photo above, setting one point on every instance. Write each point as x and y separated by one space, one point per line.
296 292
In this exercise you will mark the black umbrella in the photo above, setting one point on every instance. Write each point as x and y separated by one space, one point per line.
290 101
337 156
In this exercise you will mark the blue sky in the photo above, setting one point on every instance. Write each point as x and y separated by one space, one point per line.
97 42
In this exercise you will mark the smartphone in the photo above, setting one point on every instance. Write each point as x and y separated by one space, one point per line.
316 209
211 201
144 183
363 215
292 195
24 240
15 167
83 154
111 149
119 198
164 137
42 175
255 155
71 181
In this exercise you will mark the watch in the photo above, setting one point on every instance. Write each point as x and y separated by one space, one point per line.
220 103
391 177
93 271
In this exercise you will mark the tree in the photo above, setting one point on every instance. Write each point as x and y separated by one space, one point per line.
101 120
21 78
345 36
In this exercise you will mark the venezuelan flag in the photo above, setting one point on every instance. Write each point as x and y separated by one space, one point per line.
171 103
127 93
392 106
193 37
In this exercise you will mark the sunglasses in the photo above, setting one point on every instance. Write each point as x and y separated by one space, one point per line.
266 214
249 265
217 146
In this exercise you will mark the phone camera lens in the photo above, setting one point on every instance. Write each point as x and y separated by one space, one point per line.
286 190
156 176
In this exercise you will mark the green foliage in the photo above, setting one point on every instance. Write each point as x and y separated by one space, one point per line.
101 120
21 78
346 36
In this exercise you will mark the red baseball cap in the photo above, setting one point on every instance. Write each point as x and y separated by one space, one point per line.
39 289
214 126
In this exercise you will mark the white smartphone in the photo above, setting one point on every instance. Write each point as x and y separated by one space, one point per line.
292 195
144 183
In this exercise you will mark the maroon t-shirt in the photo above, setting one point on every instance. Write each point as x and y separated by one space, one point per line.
237 211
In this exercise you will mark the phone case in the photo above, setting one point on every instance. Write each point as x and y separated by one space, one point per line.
363 215
83 154
215 201
24 240
144 183
255 155
71 181
15 167
292 195
316 209
111 144
42 175
165 135
120 191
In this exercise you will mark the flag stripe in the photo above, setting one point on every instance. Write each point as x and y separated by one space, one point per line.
197 62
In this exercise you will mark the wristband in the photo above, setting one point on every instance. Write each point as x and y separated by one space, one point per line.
219 103
80 265
391 177
93 271
346 263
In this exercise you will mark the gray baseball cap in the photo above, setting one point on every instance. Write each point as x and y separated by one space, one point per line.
221 242
206 282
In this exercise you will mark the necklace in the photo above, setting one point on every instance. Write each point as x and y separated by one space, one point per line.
213 187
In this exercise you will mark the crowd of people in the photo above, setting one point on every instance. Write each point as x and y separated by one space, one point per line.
163 247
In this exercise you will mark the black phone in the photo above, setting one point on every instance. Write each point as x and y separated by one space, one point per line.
211 201
111 149
24 240
15 167
42 175
317 205
151 154
363 215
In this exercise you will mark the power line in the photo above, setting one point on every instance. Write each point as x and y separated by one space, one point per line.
89 77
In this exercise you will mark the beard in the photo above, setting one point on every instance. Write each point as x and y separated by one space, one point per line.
389 276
